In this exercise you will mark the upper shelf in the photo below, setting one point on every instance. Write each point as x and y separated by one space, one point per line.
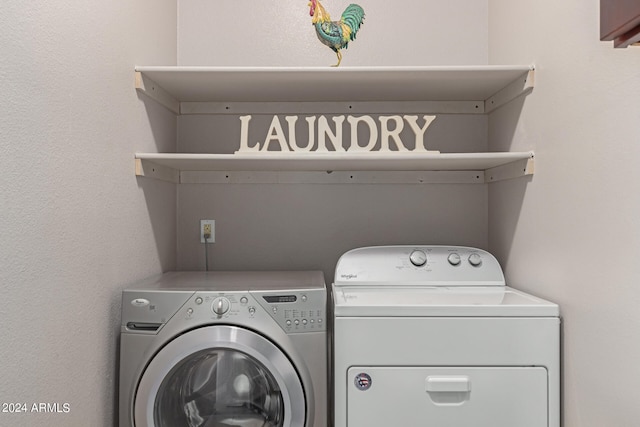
454 89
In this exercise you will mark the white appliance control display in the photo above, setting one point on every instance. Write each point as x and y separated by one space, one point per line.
419 265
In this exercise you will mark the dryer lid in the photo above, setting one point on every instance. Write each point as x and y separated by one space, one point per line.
389 301
428 281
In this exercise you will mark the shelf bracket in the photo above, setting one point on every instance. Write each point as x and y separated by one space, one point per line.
511 170
153 170
522 85
154 91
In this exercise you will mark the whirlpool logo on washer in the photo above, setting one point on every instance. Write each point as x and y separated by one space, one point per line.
349 276
140 302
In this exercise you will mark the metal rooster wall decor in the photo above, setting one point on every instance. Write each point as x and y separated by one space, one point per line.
336 34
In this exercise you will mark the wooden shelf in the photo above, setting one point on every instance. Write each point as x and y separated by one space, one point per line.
620 22
454 89
274 90
372 167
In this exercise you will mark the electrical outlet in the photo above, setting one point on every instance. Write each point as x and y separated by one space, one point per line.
208 226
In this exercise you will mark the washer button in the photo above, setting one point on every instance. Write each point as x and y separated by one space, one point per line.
243 300
304 321
303 298
198 300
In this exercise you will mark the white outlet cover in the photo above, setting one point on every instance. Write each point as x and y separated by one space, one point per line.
212 222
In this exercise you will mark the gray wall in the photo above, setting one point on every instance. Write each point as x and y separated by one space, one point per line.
411 32
306 226
76 225
571 233
261 226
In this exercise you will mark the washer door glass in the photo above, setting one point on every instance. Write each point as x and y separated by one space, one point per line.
220 376
218 387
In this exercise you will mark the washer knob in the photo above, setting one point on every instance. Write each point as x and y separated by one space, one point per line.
220 306
475 260
418 258
454 259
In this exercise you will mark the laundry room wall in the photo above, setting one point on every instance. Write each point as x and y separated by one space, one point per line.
75 224
570 233
296 226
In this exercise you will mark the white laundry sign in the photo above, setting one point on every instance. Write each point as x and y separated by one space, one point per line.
386 131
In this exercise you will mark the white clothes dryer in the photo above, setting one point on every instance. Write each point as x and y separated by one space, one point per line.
430 335
222 349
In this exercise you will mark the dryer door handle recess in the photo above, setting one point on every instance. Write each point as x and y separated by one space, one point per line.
448 390
452 384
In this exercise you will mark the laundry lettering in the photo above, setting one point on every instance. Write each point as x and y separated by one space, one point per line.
324 136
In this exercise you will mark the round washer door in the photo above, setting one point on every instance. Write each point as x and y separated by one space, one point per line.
220 376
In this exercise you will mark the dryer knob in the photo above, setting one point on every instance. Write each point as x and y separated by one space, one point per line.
418 258
454 259
220 306
475 260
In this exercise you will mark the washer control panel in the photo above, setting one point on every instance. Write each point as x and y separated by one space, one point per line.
419 265
295 300
215 306
296 312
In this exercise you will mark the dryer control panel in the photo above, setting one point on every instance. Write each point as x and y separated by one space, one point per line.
419 265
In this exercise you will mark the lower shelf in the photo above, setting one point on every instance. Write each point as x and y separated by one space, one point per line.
332 168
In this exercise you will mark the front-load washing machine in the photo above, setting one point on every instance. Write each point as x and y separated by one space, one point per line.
219 349
431 336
